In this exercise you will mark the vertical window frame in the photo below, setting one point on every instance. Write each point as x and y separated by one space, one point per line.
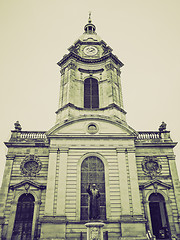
91 93
101 185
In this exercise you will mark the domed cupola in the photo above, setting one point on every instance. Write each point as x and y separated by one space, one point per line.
90 28
90 34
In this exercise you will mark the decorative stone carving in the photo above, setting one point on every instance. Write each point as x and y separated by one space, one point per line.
94 230
109 66
30 166
118 72
72 65
155 187
27 186
151 166
62 71
94 233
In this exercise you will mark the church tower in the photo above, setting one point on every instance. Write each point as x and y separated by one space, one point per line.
90 79
44 191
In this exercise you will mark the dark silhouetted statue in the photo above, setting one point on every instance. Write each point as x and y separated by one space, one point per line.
94 205
162 127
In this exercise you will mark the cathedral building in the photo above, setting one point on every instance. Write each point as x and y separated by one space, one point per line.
44 190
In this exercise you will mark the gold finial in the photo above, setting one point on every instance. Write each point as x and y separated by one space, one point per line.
89 20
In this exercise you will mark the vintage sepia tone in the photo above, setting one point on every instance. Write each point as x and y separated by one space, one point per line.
50 176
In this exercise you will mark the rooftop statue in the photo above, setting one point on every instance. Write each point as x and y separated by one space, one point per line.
17 126
162 127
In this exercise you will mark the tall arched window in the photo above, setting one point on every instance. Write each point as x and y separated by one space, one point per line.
24 218
91 93
159 218
92 172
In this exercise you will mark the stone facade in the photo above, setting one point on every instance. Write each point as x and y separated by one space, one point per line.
139 167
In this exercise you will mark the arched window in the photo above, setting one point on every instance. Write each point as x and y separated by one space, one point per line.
24 218
91 93
92 172
159 218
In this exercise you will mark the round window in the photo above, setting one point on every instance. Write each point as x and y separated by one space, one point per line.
92 128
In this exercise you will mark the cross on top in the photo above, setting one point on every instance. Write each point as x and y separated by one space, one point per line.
89 16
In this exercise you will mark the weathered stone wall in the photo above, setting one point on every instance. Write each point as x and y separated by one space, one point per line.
16 177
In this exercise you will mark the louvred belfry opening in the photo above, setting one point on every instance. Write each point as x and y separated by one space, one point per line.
91 93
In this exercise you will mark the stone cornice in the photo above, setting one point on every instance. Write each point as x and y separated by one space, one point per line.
102 136
113 105
26 144
156 144
85 60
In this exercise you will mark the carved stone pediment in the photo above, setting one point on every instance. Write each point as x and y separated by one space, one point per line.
26 184
155 183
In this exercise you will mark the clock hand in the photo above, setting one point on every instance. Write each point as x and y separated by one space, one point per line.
91 49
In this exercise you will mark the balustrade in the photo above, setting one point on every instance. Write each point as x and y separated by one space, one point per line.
148 135
35 135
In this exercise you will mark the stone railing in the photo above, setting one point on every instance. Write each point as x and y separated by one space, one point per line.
28 136
33 134
148 135
153 136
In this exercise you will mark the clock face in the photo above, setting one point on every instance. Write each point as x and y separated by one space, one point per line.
90 50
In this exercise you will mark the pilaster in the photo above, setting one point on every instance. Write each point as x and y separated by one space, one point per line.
61 194
5 183
12 215
49 204
175 179
109 85
136 204
123 182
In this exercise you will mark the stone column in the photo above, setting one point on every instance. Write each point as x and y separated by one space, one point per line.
136 203
94 230
123 182
49 204
61 194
